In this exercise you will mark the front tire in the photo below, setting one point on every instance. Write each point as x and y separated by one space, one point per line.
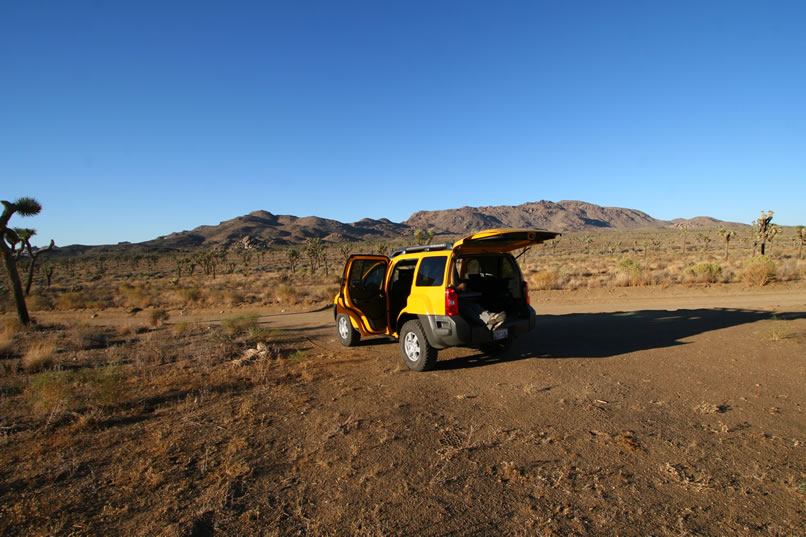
418 354
348 336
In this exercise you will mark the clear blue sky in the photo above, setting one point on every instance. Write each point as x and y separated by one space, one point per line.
130 120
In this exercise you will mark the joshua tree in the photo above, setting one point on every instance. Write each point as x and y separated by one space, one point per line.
423 237
800 236
684 231
727 236
314 250
8 241
25 235
47 269
764 230
293 258
382 248
345 249
705 239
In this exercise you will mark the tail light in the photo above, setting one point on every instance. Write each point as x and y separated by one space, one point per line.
526 293
451 302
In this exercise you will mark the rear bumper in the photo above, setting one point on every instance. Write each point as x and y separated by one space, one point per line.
445 331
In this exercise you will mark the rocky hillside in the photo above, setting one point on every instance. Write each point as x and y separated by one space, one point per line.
262 229
560 216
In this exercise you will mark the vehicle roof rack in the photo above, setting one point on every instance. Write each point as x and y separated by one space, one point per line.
424 248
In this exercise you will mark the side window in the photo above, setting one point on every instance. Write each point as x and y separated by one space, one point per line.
431 272
374 277
507 268
366 274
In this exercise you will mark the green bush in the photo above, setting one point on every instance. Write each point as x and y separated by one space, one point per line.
703 273
759 270
630 272
239 324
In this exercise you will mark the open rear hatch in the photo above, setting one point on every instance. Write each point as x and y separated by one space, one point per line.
501 240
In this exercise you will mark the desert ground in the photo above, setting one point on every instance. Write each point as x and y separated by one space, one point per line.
632 410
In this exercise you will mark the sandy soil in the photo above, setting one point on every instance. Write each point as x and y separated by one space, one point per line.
650 411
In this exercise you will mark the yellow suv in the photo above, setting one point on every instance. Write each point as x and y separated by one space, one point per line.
438 296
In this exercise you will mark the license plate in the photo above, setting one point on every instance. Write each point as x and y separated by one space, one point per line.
500 334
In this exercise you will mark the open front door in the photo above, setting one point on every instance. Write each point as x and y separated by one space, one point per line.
364 291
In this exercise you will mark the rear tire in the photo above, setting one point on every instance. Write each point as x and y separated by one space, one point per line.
348 336
418 354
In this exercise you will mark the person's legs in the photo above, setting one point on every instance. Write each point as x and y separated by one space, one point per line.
473 312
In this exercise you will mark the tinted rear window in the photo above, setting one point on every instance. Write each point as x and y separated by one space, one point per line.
432 271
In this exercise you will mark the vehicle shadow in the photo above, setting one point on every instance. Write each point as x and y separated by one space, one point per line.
602 335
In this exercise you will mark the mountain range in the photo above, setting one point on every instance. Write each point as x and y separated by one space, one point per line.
264 229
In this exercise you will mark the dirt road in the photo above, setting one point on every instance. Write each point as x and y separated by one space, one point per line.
660 414
629 412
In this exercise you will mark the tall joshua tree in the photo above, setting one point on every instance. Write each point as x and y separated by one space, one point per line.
800 236
8 242
727 235
765 230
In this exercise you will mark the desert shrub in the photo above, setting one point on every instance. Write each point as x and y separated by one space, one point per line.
630 272
239 324
156 317
190 294
759 270
38 303
287 294
788 271
71 300
320 293
83 336
41 355
544 280
135 295
103 386
703 273
59 391
50 393
229 297
7 333
11 327
182 328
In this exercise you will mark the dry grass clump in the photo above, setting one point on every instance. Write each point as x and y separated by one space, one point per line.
788 271
759 271
544 280
287 295
40 355
71 300
190 295
239 324
157 317
55 392
630 272
703 273
135 295
49 393
182 328
82 336
9 329
38 303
